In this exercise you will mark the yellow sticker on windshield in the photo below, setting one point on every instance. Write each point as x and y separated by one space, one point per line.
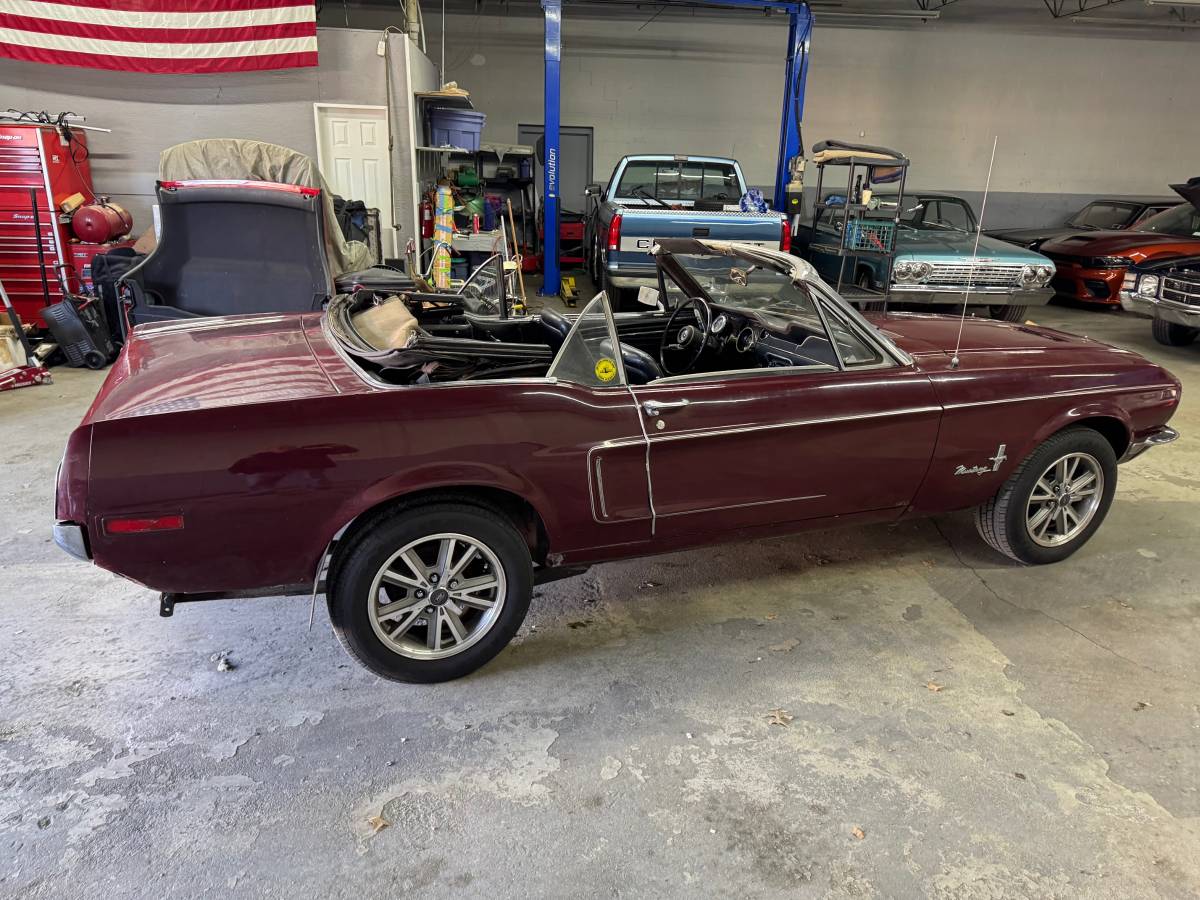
606 369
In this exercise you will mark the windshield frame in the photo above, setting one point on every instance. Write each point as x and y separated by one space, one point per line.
801 274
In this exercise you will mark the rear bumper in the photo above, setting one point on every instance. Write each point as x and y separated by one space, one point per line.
1163 434
1038 297
72 539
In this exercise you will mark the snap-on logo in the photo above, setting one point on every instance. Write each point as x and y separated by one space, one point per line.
12 137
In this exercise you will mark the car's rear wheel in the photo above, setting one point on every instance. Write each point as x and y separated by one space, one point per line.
1054 501
1173 334
1009 313
431 593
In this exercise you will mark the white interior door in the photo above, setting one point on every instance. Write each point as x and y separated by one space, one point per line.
352 152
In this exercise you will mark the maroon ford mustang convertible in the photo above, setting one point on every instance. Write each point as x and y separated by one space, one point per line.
429 468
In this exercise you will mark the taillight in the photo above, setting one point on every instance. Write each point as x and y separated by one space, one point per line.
785 237
614 233
141 525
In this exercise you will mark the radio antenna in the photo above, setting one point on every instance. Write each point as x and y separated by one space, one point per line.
974 254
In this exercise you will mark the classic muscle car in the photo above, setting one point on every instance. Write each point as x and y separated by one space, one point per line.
427 481
934 262
1168 290
1116 214
1091 266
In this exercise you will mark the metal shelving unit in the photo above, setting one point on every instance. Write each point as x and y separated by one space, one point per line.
859 235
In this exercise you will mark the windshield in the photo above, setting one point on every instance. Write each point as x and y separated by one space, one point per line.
741 280
1103 216
1183 221
669 180
744 284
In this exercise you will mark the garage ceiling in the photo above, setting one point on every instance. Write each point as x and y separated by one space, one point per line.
1086 16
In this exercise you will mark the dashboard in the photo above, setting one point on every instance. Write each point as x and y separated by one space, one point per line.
741 334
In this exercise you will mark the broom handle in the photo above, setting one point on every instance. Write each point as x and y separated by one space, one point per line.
516 248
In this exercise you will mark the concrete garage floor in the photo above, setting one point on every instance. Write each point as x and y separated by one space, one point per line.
957 726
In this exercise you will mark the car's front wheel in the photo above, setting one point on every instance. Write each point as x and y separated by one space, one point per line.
1054 501
431 593
1173 334
1009 313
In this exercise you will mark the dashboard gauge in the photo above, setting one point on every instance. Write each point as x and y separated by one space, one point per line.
746 340
720 323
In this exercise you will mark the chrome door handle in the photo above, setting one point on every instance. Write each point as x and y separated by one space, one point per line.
655 407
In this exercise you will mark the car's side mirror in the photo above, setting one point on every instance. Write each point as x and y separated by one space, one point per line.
592 190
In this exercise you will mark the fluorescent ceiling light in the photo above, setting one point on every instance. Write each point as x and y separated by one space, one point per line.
1134 23
1173 2
820 14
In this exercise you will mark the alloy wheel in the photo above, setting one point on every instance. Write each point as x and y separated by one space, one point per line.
1064 499
437 596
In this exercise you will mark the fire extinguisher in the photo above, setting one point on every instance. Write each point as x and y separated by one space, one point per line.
426 218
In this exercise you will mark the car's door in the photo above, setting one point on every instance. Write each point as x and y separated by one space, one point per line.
588 373
773 446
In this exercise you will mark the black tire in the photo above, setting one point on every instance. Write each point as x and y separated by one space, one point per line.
617 297
95 360
350 601
1002 520
864 281
1173 334
593 265
1009 313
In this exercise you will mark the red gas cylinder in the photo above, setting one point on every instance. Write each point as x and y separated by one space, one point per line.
100 221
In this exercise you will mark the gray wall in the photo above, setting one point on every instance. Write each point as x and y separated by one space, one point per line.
1076 114
150 112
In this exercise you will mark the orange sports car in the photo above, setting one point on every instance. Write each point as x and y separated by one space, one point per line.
1091 266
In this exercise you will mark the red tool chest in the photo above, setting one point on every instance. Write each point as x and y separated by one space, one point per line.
37 166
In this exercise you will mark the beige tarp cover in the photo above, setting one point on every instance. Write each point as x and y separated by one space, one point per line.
259 161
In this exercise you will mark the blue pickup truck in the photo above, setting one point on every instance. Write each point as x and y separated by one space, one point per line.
652 196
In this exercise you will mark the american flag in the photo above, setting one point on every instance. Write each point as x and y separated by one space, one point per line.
164 36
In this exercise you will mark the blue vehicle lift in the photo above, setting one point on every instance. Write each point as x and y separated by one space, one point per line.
800 25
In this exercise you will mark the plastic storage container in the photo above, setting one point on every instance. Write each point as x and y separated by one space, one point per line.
456 127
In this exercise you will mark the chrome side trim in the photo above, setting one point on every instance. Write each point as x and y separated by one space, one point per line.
774 426
710 509
600 486
1081 392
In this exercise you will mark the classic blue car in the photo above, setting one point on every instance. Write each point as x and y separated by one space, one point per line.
654 196
933 265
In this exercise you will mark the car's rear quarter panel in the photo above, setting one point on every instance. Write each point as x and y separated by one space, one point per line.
264 487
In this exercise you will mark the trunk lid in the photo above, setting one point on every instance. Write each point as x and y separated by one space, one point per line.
211 362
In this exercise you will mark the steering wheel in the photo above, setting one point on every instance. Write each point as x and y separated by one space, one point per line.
691 339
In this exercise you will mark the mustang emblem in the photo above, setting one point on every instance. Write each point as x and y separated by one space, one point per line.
984 470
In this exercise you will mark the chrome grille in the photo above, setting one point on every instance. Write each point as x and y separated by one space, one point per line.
1181 291
985 274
